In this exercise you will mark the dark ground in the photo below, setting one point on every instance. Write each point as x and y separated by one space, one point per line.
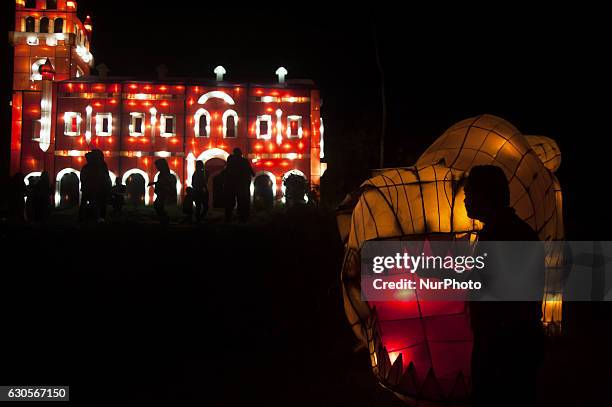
222 314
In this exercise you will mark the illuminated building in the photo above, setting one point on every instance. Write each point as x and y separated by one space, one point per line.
58 118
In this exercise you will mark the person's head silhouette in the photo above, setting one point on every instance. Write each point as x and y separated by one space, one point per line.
200 165
238 152
162 166
486 192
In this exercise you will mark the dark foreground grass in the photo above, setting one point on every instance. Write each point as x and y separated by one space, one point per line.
222 314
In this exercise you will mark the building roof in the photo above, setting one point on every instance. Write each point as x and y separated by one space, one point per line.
289 83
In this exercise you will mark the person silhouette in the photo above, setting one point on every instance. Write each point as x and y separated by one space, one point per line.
263 193
118 195
95 187
508 336
164 188
188 206
16 204
238 174
105 186
38 206
199 191
84 207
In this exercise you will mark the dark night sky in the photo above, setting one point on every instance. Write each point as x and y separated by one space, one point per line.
541 69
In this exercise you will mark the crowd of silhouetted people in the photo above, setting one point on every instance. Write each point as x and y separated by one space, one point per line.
31 200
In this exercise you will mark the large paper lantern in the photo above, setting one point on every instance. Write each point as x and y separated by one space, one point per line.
422 350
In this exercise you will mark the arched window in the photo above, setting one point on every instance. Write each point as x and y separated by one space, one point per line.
230 120
58 25
30 3
30 24
44 25
203 126
202 123
51 4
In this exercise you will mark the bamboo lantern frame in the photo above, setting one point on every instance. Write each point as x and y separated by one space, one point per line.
426 201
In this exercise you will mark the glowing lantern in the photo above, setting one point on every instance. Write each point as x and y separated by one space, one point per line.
422 351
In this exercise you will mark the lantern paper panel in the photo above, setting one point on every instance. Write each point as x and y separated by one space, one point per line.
422 351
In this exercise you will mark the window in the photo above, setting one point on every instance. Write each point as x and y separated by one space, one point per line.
167 125
30 3
51 4
137 128
294 126
44 25
72 124
202 123
104 124
58 25
264 127
230 127
35 130
30 24
230 120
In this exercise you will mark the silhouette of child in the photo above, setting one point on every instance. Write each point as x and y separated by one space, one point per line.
118 195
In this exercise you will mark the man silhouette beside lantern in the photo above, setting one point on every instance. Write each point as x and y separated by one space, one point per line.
508 336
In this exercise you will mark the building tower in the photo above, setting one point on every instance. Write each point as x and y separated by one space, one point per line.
46 32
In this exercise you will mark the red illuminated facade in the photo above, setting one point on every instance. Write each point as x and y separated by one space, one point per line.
60 112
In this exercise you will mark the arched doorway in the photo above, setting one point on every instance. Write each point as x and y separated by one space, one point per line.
69 191
214 162
263 190
214 169
32 178
60 178
135 187
138 192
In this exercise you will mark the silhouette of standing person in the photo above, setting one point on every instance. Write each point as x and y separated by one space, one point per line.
15 200
199 191
84 208
95 187
238 174
38 203
508 336
103 190
263 193
164 188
